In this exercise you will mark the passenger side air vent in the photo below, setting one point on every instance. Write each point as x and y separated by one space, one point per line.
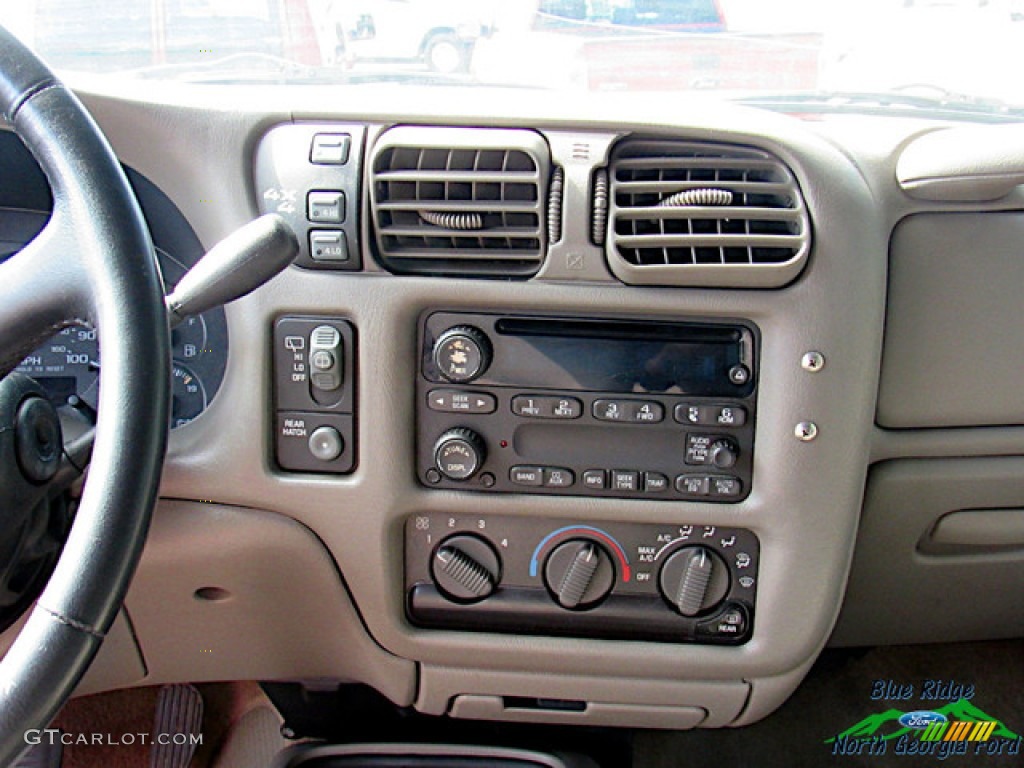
691 213
460 201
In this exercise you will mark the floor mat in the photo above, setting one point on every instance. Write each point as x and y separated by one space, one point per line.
862 690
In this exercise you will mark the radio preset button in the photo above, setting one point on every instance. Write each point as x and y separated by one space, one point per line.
564 407
632 411
459 401
730 415
546 407
609 410
645 412
532 476
696 415
694 485
555 477
655 482
625 480
595 479
529 407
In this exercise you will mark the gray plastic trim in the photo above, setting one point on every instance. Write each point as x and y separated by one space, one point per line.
899 594
963 164
635 703
992 529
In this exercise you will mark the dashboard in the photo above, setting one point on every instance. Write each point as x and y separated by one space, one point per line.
570 410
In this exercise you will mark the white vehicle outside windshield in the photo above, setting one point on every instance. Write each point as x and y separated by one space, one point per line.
959 52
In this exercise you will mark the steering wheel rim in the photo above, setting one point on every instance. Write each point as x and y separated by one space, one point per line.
93 262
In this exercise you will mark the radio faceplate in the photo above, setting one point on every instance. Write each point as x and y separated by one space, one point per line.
585 406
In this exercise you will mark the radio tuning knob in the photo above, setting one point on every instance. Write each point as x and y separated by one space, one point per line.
459 453
465 568
579 574
723 453
462 353
694 579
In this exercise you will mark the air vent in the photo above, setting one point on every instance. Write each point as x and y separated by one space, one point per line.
460 201
691 213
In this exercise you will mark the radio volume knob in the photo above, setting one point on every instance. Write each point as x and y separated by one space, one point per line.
462 353
459 453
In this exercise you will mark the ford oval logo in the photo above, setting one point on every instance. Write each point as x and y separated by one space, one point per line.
921 719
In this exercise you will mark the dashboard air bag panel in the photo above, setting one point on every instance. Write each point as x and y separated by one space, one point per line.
955 322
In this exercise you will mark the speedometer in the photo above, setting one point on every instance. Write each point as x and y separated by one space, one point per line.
67 367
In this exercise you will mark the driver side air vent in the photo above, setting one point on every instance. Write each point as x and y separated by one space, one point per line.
460 201
703 214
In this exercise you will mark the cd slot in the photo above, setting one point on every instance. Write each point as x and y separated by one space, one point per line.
617 330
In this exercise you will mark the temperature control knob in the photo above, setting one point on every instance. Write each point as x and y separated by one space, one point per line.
465 568
462 353
723 453
459 453
579 574
693 580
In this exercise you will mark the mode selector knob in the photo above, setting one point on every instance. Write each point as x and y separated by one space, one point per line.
459 453
723 453
693 580
465 568
462 353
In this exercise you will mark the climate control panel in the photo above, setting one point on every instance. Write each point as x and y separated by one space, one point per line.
631 581
587 406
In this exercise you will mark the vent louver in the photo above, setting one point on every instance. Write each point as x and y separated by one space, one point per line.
460 201
693 213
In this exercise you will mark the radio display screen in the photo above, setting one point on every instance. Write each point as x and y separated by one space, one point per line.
627 357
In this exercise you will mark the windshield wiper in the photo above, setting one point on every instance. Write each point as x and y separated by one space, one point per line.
947 104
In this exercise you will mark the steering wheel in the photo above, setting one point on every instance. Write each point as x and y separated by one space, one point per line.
93 263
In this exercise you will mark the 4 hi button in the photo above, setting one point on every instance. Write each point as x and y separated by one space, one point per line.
326 443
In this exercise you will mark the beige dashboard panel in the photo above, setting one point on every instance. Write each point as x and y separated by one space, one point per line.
224 593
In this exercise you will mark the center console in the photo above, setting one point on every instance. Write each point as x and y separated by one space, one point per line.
584 406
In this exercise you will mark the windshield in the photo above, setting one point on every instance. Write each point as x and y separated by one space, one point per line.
958 53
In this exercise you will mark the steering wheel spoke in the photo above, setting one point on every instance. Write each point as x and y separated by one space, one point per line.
43 289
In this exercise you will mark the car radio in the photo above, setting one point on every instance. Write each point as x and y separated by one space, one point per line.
586 406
